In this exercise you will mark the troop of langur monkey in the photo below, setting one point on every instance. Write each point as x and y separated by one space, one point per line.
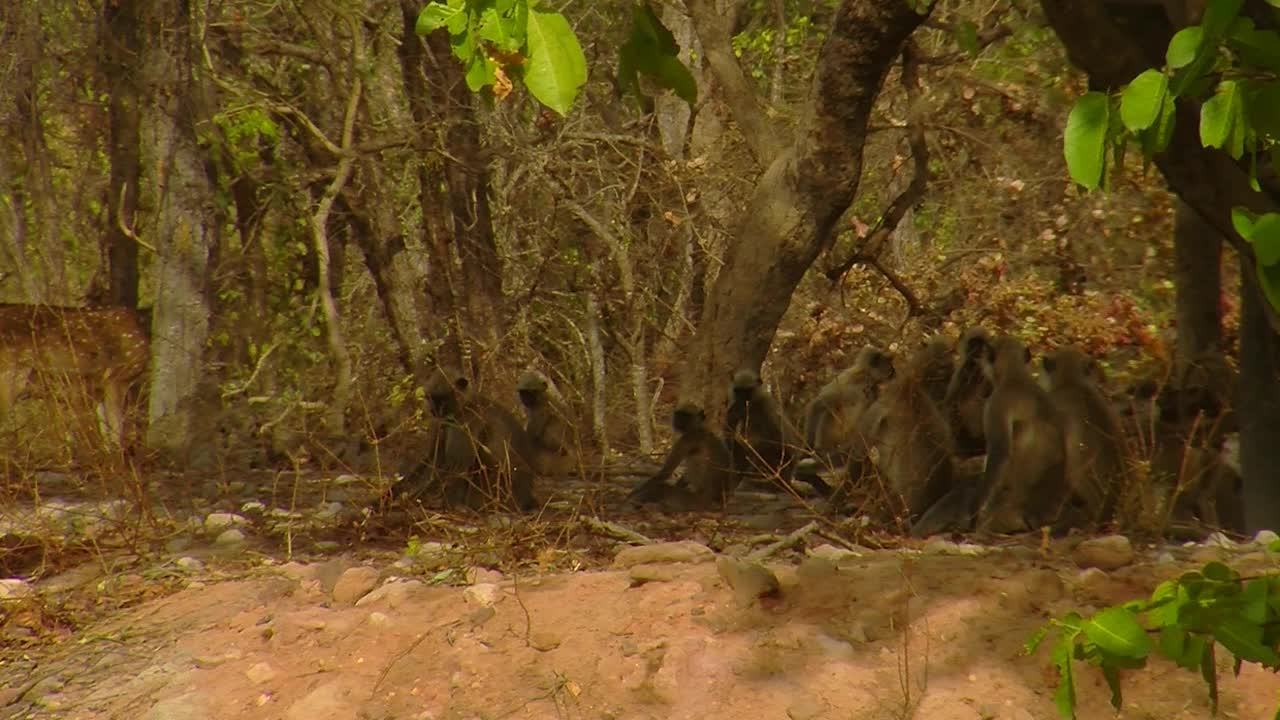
1057 451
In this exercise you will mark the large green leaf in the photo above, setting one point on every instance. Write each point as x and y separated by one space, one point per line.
1244 640
436 15
1065 697
1222 122
1142 101
1265 238
1085 140
1263 108
1117 631
1258 47
1269 280
557 68
1184 47
1218 16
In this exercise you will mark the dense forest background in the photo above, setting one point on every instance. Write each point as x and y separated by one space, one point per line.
312 209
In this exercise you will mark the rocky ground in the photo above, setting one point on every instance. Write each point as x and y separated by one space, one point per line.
250 614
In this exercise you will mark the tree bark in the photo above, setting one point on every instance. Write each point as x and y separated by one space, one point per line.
1259 409
186 232
798 200
119 48
1197 270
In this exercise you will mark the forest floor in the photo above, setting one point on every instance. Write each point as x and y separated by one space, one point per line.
255 613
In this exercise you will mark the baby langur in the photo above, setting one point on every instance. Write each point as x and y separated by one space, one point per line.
546 422
1025 482
708 479
481 453
832 419
966 396
912 438
762 440
1094 438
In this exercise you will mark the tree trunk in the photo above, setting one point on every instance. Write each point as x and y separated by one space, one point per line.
802 193
119 48
1197 276
1259 414
466 175
185 232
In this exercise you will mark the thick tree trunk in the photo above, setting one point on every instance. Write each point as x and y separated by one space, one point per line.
466 175
119 48
1259 414
1197 276
186 230
798 200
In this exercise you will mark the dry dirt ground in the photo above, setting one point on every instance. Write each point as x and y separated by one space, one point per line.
929 630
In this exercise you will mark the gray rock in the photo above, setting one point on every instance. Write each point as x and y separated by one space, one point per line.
837 555
1105 553
215 523
14 588
394 594
189 564
686 551
544 640
641 574
354 584
748 580
1218 539
939 546
229 537
805 708
484 595
1265 538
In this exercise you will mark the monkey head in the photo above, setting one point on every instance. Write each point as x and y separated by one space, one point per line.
1006 356
874 365
687 417
443 390
975 345
745 384
1069 364
532 389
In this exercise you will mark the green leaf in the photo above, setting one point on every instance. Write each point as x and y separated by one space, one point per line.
1222 120
1184 47
1243 221
1274 545
1033 643
1117 631
645 22
1269 281
1193 652
1260 48
1218 15
1065 696
1244 640
557 68
1085 139
481 72
1218 572
1143 100
1209 672
436 15
1265 239
1173 642
967 37
499 31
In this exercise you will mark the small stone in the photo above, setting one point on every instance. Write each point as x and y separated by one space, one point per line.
260 673
1218 539
295 570
543 640
229 537
484 595
378 619
328 511
354 584
189 564
1166 558
641 574
1265 538
393 594
672 552
13 589
1105 553
254 508
938 546
215 523
1091 580
749 580
480 575
837 555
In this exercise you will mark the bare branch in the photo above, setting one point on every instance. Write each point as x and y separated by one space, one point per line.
760 134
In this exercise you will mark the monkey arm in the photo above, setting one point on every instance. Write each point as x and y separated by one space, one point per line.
653 488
